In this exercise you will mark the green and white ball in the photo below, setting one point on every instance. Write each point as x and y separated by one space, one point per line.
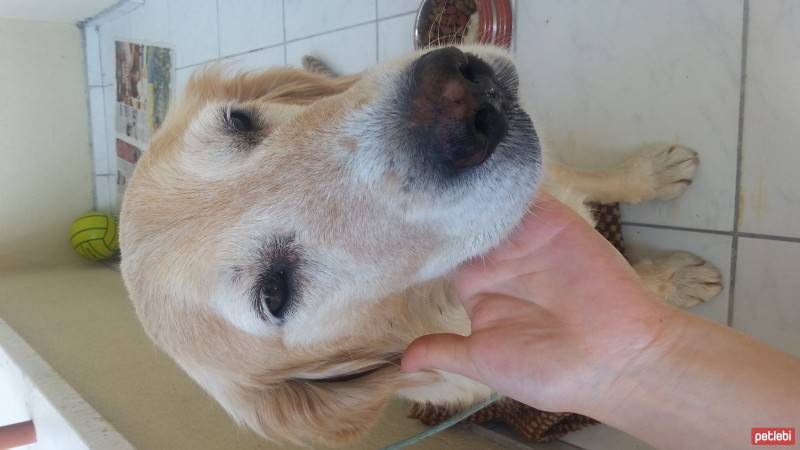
94 236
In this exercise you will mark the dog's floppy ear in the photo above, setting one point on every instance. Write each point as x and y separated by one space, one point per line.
329 412
334 412
282 85
331 401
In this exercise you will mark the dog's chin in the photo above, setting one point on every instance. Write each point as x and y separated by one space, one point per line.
474 244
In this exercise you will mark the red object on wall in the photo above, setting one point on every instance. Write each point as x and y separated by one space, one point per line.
441 22
495 22
17 434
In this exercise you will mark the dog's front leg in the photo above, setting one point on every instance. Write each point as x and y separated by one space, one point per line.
655 172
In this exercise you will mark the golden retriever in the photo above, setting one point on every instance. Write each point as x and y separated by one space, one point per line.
287 234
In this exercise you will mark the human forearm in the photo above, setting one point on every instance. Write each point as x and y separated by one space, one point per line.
702 385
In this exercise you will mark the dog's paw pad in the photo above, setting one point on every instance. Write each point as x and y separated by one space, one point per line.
684 280
664 171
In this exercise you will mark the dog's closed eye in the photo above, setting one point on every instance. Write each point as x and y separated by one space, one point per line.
240 121
243 125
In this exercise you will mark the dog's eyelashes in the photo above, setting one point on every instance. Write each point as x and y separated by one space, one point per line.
243 126
277 287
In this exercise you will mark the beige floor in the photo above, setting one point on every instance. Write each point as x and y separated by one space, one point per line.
80 321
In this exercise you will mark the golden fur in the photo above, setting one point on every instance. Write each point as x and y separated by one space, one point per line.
195 204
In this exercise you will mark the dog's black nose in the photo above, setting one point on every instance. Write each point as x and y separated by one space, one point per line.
456 109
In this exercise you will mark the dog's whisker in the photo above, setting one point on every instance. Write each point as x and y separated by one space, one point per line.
458 36
436 20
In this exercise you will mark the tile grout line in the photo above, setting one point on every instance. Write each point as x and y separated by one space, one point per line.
395 16
247 52
100 56
232 55
768 237
741 234
107 151
94 152
677 228
283 19
347 27
739 157
291 41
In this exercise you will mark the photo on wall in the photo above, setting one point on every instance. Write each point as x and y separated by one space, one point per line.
144 75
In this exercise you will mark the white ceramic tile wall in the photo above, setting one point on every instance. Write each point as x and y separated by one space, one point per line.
94 71
388 8
394 38
182 77
770 191
109 111
245 25
309 17
193 30
150 22
601 79
105 192
97 108
259 59
767 300
349 51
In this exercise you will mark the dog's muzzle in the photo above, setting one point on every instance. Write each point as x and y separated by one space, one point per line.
457 109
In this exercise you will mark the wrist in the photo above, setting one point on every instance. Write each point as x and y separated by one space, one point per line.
647 357
700 382
674 384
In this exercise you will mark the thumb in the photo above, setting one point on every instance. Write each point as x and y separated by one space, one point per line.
448 352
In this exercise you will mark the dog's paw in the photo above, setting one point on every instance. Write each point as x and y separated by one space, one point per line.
660 172
680 278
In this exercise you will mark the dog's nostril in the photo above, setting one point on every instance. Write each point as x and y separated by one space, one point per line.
483 121
492 124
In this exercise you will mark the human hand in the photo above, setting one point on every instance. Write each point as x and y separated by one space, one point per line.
557 315
561 322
